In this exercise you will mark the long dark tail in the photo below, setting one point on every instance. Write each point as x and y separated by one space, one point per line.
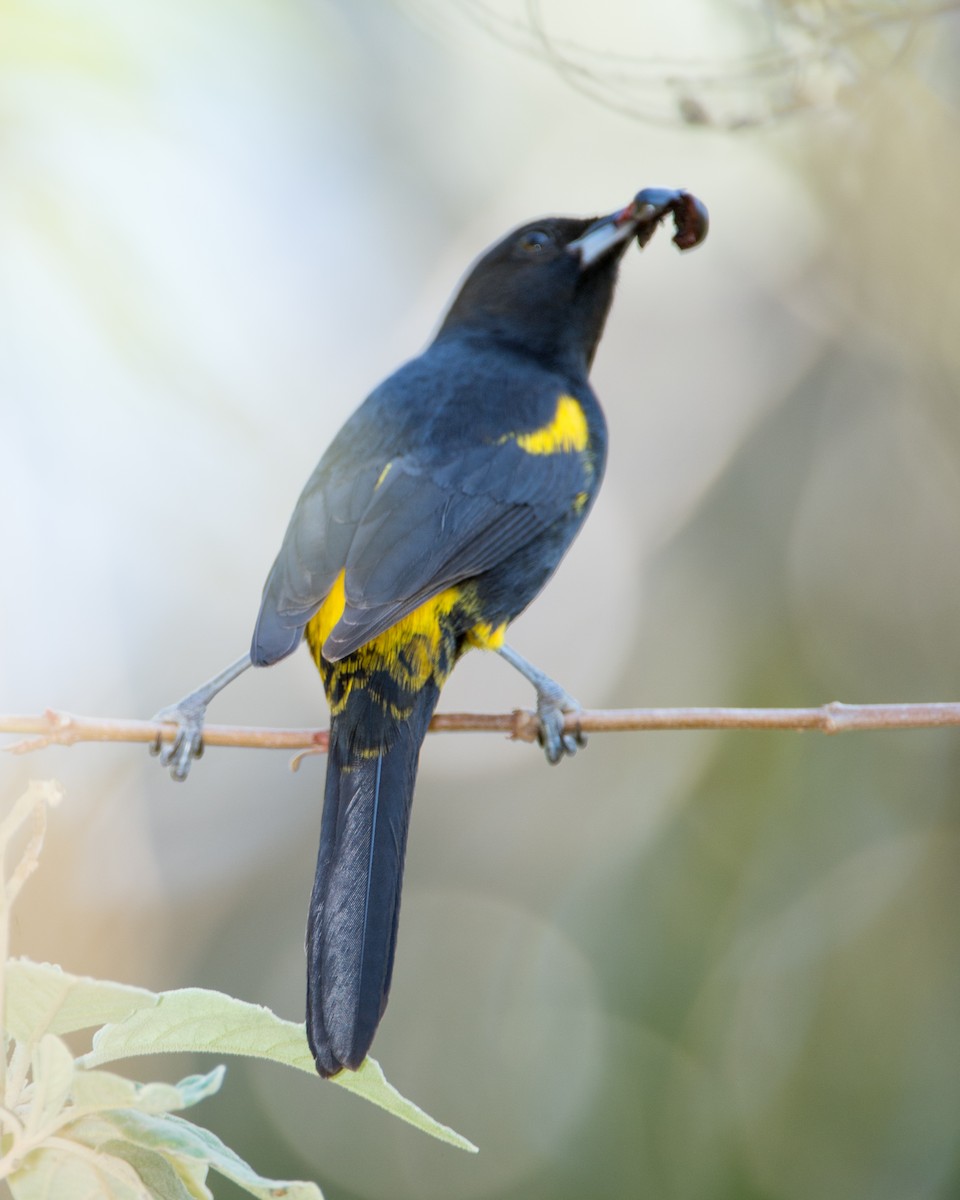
352 927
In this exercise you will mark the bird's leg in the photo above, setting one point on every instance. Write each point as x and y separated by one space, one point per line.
189 714
552 703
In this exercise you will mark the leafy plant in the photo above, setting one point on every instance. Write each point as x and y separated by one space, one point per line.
70 1128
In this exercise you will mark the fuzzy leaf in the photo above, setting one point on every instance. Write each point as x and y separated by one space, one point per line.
52 1068
42 998
98 1091
61 1171
187 1149
196 1019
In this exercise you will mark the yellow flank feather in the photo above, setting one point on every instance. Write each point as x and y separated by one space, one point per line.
330 612
486 636
566 431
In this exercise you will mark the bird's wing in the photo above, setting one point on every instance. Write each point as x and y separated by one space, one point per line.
431 524
312 554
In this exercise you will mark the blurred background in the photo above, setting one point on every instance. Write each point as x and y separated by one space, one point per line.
682 965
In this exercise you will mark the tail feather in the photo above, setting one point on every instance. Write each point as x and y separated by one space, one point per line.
352 926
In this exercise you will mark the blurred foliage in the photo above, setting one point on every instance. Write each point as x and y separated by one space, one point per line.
685 965
743 66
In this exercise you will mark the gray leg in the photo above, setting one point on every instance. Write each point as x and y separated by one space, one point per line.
189 714
552 703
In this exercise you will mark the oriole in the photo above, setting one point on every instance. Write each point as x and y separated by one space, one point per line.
439 511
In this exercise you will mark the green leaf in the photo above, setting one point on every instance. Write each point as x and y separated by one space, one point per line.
198 1020
370 1082
94 1091
62 1171
42 998
52 1068
192 1089
157 1173
190 1150
97 1091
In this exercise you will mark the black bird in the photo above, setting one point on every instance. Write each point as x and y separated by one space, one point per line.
439 511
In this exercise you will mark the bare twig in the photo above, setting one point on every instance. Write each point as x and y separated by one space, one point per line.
55 728
64 729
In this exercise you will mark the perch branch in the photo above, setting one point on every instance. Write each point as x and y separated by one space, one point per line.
64 729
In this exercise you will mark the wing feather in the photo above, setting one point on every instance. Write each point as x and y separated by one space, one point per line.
312 554
426 530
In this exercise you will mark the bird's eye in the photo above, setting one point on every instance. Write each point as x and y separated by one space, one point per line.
535 242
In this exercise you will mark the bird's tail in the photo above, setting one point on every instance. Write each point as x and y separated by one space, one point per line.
352 927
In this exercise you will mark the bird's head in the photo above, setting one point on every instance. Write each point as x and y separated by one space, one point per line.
546 288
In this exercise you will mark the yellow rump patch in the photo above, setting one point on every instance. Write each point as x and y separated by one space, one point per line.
566 431
422 626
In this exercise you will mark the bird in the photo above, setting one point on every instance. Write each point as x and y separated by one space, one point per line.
435 516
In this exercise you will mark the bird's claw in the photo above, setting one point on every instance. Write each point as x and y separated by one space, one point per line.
552 708
187 743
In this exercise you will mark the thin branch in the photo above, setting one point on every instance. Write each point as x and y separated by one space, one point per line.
64 729
54 728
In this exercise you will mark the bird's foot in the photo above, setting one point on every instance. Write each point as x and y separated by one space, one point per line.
553 704
188 715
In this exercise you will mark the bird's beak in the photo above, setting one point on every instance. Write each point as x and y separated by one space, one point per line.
641 217
604 234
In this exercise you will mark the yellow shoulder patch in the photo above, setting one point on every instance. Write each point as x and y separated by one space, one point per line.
566 431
